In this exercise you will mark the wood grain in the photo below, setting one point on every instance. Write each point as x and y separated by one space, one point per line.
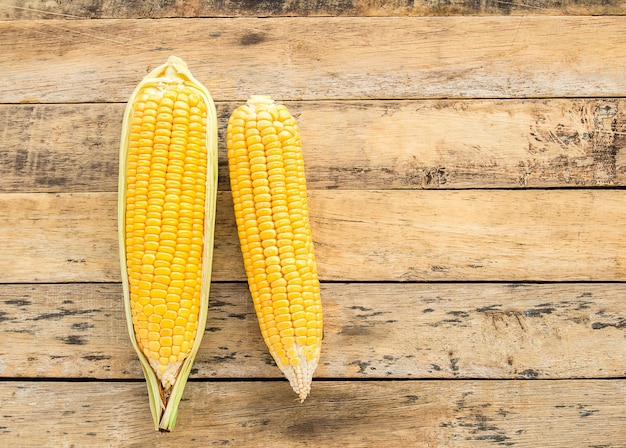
40 9
466 180
60 148
352 145
296 58
526 414
369 235
435 331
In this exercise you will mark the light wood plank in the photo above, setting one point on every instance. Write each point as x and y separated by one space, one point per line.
549 235
396 413
70 237
372 330
394 235
41 9
353 144
296 58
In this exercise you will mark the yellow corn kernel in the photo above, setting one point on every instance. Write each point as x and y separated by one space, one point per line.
168 110
167 195
269 194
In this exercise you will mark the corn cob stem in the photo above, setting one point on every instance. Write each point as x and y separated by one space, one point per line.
167 196
269 195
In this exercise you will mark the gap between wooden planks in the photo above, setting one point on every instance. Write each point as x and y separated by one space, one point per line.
298 58
371 331
353 144
394 235
91 9
526 414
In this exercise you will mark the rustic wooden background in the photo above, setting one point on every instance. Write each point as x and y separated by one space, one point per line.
466 162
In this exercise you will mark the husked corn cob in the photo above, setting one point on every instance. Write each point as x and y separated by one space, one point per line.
167 195
269 195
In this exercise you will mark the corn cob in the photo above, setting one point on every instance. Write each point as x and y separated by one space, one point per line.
166 213
269 196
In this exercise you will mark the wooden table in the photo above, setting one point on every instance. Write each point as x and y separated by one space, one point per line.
466 164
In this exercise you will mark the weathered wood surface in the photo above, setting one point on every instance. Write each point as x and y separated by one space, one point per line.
403 235
489 331
466 183
75 9
297 58
527 414
353 144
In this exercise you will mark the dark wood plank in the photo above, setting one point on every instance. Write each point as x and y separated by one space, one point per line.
296 58
60 148
371 330
352 145
40 9
526 414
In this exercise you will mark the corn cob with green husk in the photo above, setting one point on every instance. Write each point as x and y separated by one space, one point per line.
269 194
166 212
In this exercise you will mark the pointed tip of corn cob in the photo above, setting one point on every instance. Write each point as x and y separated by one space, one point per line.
300 369
175 60
175 66
166 373
300 377
258 100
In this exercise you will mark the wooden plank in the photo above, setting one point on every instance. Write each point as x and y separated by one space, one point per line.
72 237
388 413
399 235
488 331
353 144
296 58
41 9
38 154
422 235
